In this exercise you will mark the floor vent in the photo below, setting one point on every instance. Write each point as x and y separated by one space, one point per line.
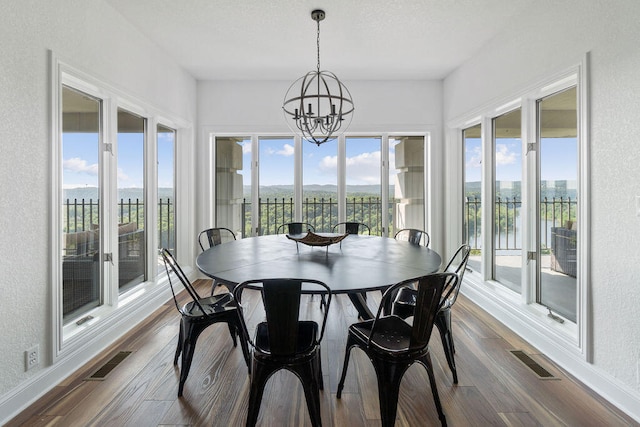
532 364
102 373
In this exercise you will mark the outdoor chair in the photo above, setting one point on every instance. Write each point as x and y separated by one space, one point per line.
295 228
393 345
198 314
284 341
405 301
413 235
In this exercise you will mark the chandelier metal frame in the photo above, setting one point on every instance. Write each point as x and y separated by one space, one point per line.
324 91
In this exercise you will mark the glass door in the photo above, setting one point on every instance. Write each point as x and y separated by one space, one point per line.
558 202
82 136
507 200
363 185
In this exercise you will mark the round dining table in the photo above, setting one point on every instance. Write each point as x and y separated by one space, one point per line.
356 265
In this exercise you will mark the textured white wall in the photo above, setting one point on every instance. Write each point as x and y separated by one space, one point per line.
90 36
380 105
546 40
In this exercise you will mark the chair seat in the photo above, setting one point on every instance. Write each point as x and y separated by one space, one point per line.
212 304
392 333
306 342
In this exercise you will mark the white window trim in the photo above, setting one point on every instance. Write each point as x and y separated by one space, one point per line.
434 169
120 312
563 342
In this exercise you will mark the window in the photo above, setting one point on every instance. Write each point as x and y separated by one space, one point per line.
348 179
130 206
507 200
364 186
320 185
534 226
472 218
407 173
107 165
81 140
233 184
557 202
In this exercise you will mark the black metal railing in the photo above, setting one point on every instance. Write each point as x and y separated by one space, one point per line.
84 215
321 213
554 212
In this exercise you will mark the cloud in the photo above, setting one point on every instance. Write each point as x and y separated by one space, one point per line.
475 159
76 164
246 147
504 156
361 169
287 150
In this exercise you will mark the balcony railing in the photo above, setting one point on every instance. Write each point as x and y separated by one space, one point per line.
83 215
320 212
554 212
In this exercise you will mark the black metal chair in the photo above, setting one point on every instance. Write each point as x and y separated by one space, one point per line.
393 345
352 227
413 235
284 341
295 228
215 236
197 315
405 300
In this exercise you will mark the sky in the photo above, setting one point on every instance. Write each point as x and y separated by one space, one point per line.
558 159
80 160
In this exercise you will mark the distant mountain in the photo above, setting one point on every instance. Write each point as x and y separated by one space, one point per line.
287 190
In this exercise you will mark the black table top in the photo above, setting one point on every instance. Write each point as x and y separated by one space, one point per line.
361 263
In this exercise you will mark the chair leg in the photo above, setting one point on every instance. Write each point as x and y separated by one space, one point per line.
259 377
389 376
180 344
443 323
426 361
347 353
311 385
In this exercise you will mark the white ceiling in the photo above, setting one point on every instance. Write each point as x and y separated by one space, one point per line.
359 39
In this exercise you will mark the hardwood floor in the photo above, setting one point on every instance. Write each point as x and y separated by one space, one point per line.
495 388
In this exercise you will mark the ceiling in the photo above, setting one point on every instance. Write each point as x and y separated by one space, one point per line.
359 39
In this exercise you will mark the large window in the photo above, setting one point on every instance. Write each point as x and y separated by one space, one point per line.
376 180
114 185
533 226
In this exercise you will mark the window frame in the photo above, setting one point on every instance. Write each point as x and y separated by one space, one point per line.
521 312
111 317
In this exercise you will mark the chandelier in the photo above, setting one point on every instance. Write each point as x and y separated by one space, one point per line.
318 105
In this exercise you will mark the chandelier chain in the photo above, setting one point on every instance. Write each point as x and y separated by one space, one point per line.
318 44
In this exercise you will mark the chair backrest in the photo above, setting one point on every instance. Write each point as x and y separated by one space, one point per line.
281 299
428 294
352 227
413 235
215 236
295 228
172 266
461 256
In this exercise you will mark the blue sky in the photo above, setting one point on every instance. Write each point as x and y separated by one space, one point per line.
558 159
80 160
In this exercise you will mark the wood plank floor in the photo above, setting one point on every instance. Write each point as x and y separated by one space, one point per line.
494 387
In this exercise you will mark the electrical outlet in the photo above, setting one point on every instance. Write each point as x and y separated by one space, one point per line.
32 357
